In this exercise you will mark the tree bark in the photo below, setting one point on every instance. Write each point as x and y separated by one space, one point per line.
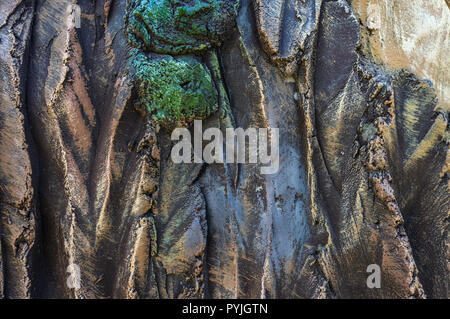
358 89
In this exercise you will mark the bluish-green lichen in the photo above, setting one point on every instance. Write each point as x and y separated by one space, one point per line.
179 26
175 91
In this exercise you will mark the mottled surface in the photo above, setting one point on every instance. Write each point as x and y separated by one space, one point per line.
413 35
179 26
174 91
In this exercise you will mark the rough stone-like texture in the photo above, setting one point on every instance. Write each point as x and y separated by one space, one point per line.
174 91
359 91
285 27
412 35
179 26
18 219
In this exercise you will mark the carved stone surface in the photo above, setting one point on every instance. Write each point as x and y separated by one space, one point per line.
358 90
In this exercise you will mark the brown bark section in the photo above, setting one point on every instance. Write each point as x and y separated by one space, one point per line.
18 206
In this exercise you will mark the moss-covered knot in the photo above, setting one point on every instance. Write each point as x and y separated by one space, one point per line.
178 27
175 91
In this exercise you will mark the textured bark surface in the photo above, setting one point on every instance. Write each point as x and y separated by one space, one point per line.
359 90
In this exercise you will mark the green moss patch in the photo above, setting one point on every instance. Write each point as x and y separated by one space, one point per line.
179 26
175 91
